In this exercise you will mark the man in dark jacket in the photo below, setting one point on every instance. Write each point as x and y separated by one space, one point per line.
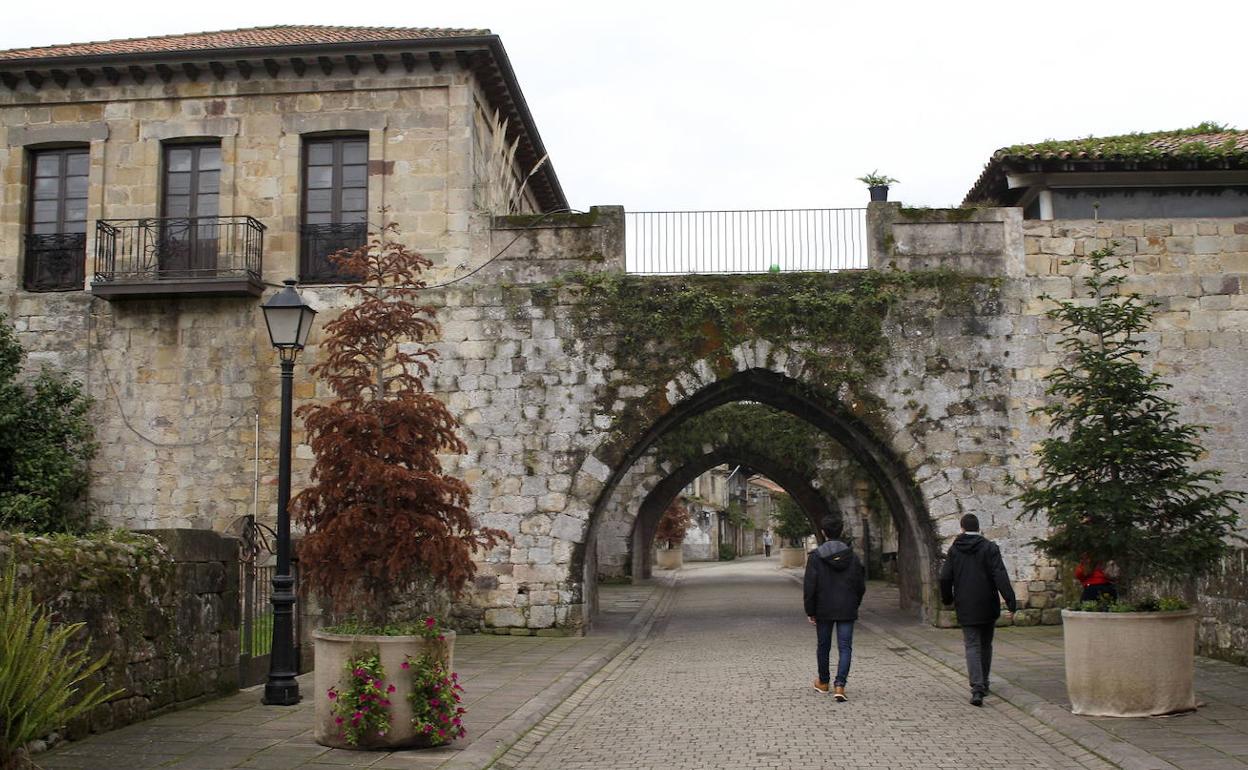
832 589
971 578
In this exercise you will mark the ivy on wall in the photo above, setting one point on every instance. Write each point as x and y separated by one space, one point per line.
655 327
755 428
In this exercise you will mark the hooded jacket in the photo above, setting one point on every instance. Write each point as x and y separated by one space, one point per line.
972 577
834 583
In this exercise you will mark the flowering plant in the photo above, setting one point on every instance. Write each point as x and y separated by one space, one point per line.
362 707
435 699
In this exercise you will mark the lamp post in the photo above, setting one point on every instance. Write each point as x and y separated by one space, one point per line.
289 320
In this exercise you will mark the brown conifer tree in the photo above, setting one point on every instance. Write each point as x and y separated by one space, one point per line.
674 525
381 516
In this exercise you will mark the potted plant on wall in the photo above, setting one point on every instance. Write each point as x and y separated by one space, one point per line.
671 534
1117 487
877 184
792 527
383 521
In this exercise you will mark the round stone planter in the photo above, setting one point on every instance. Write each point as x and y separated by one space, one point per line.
1130 664
671 558
332 652
792 557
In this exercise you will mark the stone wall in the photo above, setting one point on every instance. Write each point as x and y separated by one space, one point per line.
165 609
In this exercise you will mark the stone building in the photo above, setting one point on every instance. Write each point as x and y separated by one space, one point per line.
150 190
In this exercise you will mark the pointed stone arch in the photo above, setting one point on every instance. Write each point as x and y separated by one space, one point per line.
698 391
811 501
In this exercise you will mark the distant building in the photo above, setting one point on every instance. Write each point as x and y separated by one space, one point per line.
1194 172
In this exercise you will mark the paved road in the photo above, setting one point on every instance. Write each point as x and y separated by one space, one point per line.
724 681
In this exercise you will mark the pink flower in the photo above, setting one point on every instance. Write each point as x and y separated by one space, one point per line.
457 721
428 729
331 694
430 622
360 672
435 702
405 665
390 688
385 703
337 720
441 638
441 733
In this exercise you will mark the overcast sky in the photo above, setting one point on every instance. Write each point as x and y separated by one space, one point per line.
677 105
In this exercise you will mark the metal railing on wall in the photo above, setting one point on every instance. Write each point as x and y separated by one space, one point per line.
760 241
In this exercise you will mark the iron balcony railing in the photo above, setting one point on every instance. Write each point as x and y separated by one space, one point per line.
783 240
55 261
178 248
317 243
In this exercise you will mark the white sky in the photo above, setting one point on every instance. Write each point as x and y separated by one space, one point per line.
781 104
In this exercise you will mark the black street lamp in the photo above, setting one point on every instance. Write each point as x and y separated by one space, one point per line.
289 320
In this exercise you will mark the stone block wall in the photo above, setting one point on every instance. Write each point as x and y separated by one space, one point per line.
164 608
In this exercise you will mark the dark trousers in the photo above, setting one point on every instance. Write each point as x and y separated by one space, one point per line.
844 649
978 641
766 550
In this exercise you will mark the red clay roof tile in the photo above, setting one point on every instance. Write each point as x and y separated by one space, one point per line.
255 37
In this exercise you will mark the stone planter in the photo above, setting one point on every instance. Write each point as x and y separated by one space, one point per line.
792 557
1130 664
671 558
332 653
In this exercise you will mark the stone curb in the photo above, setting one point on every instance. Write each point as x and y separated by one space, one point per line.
494 743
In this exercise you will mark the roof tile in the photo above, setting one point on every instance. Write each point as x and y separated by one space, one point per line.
254 37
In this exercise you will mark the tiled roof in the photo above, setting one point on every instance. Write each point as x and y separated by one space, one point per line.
1206 146
255 37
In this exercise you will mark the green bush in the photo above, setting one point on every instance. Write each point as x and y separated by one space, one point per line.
40 677
792 523
45 444
727 552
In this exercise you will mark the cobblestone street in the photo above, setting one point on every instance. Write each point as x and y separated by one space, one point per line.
724 681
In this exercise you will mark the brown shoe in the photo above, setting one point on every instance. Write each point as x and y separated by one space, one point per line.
839 693
821 687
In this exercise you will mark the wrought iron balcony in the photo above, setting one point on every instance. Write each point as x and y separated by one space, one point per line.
178 256
55 261
319 242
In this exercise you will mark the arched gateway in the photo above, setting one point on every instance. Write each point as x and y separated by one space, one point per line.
566 372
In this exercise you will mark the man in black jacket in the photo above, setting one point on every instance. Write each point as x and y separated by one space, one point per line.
832 589
971 578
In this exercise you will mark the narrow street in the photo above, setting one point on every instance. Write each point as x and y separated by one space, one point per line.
723 680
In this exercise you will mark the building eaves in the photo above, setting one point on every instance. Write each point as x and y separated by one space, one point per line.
276 50
1207 146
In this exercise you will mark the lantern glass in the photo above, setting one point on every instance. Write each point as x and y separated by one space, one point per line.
288 318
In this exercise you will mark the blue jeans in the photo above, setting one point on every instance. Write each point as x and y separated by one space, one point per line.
844 648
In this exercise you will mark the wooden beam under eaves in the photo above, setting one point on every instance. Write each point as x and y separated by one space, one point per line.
34 78
218 69
327 64
435 59
381 62
461 58
112 75
353 64
86 76
298 65
10 80
192 71
244 68
61 77
164 73
272 67
409 61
